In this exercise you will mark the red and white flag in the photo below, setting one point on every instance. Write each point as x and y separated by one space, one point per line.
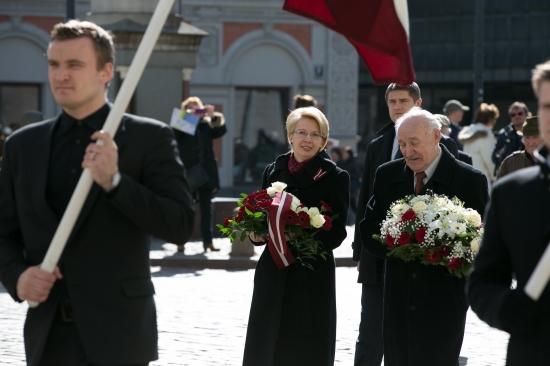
277 241
379 30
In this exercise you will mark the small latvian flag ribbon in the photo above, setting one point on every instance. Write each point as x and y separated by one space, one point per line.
277 241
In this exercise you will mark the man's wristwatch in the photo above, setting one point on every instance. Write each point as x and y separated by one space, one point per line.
114 182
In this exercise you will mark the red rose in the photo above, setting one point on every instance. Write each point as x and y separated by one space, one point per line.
326 207
303 218
444 251
432 255
240 215
404 238
249 207
328 223
420 234
390 240
455 263
408 216
290 217
264 205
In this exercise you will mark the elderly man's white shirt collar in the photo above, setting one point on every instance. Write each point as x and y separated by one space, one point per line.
430 169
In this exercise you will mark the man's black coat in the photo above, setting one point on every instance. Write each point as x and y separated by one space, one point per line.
378 152
424 306
517 231
106 260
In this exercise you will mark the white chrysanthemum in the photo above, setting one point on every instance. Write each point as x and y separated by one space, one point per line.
279 186
474 245
312 212
400 209
317 221
271 191
419 207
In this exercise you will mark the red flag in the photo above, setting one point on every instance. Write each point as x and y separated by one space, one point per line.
377 28
277 242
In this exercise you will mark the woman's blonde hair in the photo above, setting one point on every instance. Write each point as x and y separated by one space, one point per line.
486 113
311 113
192 100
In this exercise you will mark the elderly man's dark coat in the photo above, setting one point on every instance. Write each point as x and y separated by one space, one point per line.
517 231
293 312
424 306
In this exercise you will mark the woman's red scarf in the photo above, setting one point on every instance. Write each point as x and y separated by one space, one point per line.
294 166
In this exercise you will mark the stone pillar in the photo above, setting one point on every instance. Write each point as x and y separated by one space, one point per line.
186 77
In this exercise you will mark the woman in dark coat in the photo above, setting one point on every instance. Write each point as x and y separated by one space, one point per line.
293 313
199 149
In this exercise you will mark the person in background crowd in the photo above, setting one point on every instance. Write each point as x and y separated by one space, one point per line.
415 292
454 110
478 139
516 235
509 138
336 156
446 130
97 308
199 149
304 100
293 312
351 165
384 148
523 158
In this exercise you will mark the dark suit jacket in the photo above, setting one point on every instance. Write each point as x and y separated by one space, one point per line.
414 292
378 152
106 260
517 231
465 157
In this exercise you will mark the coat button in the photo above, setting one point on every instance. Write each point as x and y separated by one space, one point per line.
412 307
414 275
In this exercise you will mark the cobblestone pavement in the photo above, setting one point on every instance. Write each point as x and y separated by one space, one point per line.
202 315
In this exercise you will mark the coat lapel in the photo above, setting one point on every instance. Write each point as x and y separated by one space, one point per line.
403 181
387 146
442 173
38 159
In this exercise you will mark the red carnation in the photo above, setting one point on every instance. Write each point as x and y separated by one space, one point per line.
420 234
263 205
303 219
390 240
328 223
408 216
455 263
404 238
240 215
290 217
432 255
326 207
249 207
444 250
226 222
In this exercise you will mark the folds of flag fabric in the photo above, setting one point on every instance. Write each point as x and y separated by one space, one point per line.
378 29
277 242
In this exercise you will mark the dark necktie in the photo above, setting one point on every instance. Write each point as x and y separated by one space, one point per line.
419 182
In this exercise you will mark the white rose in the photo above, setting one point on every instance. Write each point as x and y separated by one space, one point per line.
473 218
419 207
474 245
312 212
271 191
295 204
317 221
305 209
400 209
279 186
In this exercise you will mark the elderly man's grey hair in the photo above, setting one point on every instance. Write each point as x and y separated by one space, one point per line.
433 121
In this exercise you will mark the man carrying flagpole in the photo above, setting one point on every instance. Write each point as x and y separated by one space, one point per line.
97 307
517 232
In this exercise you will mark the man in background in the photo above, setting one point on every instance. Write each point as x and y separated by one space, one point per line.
454 110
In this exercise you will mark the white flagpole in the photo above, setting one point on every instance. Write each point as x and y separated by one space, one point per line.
111 125
540 276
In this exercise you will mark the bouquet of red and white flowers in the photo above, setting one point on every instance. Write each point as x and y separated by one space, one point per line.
281 217
433 229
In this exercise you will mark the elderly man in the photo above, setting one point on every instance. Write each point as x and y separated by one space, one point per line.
454 111
369 346
516 235
523 158
424 306
509 137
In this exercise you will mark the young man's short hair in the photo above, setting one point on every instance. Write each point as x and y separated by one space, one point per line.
413 89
